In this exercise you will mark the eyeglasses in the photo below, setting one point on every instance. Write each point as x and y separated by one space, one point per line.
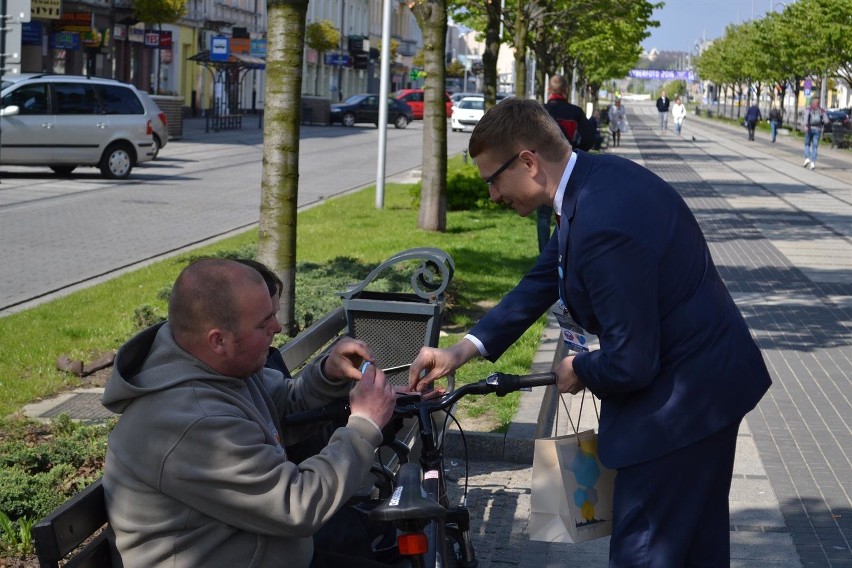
490 180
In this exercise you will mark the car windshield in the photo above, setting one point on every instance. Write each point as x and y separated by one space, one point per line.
476 104
355 99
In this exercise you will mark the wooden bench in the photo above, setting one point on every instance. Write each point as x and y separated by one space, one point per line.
381 319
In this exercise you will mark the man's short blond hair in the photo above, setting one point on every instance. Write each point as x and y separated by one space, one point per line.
518 124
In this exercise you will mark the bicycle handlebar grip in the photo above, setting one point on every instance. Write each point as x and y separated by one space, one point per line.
512 383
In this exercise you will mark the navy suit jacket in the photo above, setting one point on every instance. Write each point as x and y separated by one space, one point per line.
676 361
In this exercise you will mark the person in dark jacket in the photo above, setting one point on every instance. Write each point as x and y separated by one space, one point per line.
663 108
775 120
677 368
576 128
751 117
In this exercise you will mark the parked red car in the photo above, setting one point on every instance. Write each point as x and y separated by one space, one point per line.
414 99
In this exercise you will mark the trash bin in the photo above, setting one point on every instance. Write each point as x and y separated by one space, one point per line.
397 324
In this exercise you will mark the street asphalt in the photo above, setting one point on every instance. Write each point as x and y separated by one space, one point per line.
780 236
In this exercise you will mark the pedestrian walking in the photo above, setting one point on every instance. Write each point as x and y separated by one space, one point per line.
617 121
775 119
663 108
751 117
678 114
813 120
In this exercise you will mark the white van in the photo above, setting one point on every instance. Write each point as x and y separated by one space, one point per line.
65 121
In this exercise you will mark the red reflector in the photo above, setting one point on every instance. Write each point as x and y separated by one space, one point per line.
150 128
162 116
413 543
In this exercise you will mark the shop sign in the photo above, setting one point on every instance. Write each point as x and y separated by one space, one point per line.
75 22
119 32
240 45
64 40
337 59
91 38
136 33
152 38
31 33
95 39
258 48
46 9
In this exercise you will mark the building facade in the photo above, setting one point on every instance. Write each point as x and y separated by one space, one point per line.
104 38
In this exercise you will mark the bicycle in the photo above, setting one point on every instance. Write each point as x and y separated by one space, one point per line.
431 532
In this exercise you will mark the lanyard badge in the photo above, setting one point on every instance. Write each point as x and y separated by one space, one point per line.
575 337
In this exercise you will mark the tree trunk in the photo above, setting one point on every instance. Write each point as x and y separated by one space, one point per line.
489 56
317 74
432 17
280 176
521 32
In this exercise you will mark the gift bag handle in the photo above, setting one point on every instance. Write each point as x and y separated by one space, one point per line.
576 428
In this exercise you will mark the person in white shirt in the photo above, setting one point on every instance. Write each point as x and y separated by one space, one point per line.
678 113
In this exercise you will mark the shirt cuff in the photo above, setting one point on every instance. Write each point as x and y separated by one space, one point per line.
479 346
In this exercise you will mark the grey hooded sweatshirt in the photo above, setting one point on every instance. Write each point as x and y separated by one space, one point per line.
196 474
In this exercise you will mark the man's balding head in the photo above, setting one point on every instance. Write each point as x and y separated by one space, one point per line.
558 85
204 297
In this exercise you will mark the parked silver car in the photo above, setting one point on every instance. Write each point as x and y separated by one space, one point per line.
158 121
66 121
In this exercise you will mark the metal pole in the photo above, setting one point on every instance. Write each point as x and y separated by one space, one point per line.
343 40
4 19
383 104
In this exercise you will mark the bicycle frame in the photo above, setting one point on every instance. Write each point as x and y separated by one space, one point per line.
440 551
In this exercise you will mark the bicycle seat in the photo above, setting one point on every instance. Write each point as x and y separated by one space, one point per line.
407 502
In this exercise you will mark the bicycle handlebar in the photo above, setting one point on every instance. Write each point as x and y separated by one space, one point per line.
407 405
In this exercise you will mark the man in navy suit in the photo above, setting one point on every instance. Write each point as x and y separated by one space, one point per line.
677 368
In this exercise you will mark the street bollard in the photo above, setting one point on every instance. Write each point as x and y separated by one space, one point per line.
464 155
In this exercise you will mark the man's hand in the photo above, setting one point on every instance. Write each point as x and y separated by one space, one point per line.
345 359
434 363
567 379
373 397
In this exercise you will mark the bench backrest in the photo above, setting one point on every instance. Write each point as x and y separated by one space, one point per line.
69 526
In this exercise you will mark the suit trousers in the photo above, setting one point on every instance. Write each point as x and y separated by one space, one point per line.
672 511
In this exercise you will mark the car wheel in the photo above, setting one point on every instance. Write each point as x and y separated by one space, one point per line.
63 170
157 146
401 121
117 161
348 119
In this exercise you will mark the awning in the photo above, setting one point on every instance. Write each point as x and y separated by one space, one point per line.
240 61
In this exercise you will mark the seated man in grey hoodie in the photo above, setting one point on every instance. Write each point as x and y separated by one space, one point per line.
196 473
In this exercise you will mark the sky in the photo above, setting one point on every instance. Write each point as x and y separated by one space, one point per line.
683 22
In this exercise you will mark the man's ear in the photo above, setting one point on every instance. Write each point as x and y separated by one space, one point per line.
216 341
530 161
